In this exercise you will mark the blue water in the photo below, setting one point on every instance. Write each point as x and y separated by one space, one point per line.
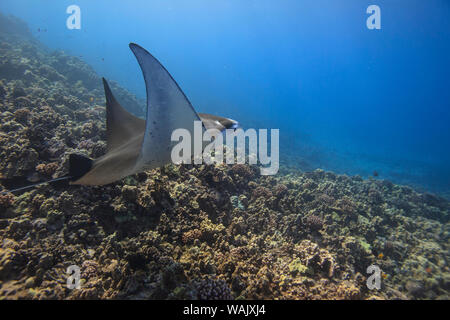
344 97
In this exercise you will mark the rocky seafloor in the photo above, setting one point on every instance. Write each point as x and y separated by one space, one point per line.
189 232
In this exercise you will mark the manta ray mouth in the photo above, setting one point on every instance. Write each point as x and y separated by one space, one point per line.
235 125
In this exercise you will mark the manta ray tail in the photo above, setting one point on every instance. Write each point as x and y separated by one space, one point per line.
36 184
78 166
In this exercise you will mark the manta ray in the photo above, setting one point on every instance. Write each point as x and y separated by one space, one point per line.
134 144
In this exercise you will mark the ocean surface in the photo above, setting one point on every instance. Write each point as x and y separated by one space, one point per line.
360 206
345 98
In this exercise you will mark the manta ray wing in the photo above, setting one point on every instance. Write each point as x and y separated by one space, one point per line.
168 109
124 134
121 125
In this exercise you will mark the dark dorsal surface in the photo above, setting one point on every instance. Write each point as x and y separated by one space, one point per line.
121 125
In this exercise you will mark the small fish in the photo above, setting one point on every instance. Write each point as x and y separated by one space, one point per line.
384 275
91 99
429 270
380 256
375 173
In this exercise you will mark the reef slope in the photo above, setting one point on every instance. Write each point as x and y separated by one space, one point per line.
201 232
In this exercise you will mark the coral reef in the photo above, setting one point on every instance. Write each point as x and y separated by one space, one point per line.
189 232
210 289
